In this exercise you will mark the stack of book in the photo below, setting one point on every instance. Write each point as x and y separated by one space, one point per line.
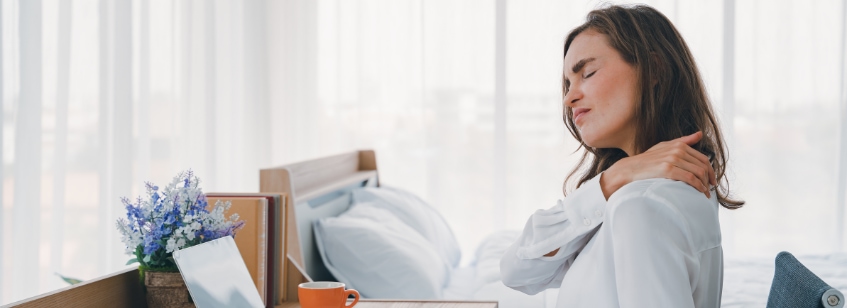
262 240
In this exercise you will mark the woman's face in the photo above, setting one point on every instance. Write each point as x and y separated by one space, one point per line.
602 91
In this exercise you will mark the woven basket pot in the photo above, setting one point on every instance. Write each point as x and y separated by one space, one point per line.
166 290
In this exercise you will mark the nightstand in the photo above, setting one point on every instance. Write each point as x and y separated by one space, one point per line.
378 303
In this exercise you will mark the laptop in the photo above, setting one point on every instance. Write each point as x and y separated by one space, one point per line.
216 276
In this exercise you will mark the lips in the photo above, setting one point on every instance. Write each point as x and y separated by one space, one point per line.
579 113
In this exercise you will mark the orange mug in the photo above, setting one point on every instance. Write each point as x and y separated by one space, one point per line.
325 294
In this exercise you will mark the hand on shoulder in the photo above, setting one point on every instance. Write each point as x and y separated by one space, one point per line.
674 159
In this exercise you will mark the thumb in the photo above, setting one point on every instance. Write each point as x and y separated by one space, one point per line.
691 139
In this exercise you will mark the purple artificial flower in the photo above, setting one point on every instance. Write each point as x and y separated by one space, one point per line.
236 226
170 218
151 243
151 187
151 228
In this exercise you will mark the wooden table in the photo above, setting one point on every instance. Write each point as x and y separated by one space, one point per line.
378 303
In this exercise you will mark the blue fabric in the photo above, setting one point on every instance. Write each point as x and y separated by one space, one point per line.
795 286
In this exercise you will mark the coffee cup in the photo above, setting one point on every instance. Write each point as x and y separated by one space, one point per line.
325 294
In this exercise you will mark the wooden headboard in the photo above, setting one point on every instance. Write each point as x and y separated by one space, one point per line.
315 189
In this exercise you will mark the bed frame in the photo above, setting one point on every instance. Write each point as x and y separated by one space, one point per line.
315 189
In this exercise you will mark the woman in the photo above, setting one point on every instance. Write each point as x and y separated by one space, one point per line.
641 229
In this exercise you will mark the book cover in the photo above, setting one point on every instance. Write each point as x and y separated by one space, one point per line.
252 240
275 242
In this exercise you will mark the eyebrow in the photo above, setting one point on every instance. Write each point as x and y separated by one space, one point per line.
576 68
579 65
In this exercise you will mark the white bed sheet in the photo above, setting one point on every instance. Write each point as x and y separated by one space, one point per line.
481 279
462 287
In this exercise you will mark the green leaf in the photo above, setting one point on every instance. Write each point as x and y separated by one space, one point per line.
131 261
147 258
69 280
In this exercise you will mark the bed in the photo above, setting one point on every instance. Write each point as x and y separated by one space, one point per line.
323 191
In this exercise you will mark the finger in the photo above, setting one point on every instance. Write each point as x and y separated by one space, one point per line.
686 153
689 178
700 159
697 170
704 160
691 139
687 140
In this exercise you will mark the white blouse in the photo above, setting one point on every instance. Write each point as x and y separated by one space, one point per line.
654 243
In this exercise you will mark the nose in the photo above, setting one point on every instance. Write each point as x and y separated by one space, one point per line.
573 95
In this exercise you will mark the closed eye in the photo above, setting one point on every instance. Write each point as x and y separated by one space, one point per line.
589 75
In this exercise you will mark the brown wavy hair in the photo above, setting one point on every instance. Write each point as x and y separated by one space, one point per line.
672 105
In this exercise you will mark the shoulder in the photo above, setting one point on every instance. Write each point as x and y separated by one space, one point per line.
661 194
663 205
644 203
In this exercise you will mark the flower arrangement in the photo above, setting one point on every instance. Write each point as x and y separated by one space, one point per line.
171 219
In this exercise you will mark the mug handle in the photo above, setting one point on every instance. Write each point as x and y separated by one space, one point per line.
355 295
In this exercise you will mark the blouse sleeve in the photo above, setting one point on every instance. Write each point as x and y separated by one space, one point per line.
652 253
567 226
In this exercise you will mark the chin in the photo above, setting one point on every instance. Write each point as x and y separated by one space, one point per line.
594 143
589 139
591 144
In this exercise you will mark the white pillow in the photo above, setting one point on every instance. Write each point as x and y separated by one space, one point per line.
489 253
416 214
374 252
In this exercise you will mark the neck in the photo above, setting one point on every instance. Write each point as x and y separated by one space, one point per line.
629 149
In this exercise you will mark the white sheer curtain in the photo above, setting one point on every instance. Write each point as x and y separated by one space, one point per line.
100 96
460 99
788 120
